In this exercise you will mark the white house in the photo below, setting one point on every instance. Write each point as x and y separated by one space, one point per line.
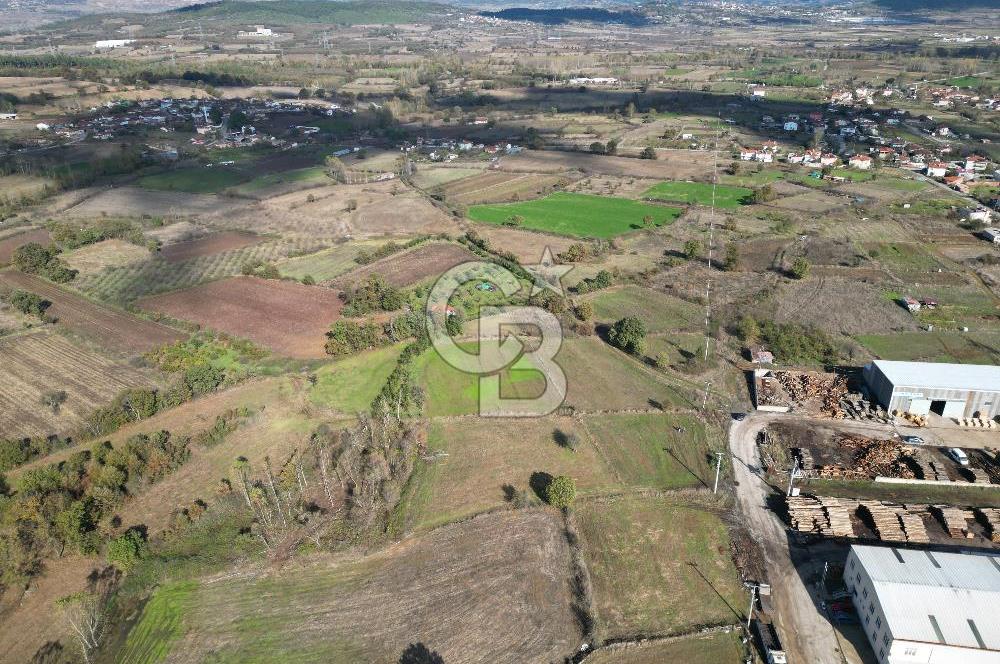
860 161
990 235
112 43
8 116
937 169
977 214
791 126
926 607
259 32
828 159
41 126
976 163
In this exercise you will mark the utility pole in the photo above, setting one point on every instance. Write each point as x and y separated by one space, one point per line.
753 598
718 468
704 404
791 475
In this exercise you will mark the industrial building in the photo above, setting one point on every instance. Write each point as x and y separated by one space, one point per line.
950 390
926 607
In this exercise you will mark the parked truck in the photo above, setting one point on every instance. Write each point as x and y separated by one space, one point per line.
769 643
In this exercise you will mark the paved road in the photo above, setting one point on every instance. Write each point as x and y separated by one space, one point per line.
806 634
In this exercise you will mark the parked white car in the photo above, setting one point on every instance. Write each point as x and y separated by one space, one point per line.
959 456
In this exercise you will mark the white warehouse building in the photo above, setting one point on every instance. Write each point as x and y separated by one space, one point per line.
950 390
927 607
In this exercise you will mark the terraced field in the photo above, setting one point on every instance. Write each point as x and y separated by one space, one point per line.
42 362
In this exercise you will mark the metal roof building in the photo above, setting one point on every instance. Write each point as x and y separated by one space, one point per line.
950 390
927 607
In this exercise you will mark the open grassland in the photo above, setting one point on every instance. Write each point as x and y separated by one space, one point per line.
194 180
350 385
286 317
435 176
658 566
648 451
528 246
969 306
209 245
116 330
507 571
413 265
38 363
958 347
660 312
671 165
93 258
597 378
126 284
714 648
477 464
578 214
270 183
699 193
10 243
840 304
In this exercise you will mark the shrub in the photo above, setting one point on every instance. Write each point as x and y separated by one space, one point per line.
648 153
691 249
800 268
628 334
584 311
127 549
561 491
28 303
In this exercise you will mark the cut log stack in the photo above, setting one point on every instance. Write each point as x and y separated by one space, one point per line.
979 476
929 467
913 524
806 514
990 516
885 516
954 520
838 515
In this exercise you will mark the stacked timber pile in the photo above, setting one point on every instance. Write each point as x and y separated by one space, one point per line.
954 520
915 420
874 458
885 516
930 469
856 407
806 462
838 515
806 514
976 423
913 524
767 394
830 517
979 476
990 516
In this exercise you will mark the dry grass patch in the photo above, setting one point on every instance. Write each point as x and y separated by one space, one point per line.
658 566
477 463
409 267
94 258
42 362
492 589
714 648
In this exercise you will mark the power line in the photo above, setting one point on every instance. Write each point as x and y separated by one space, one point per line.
711 243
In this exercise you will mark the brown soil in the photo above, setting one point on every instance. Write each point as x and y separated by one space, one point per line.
115 330
289 318
412 266
9 244
206 246
39 362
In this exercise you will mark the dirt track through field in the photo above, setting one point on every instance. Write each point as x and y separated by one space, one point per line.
286 317
116 330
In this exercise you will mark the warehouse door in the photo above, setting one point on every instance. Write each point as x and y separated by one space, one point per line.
948 408
919 406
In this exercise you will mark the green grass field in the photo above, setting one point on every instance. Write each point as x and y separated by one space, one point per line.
197 180
581 215
852 174
658 566
159 626
957 347
699 193
715 648
647 451
597 378
351 384
310 175
659 311
479 457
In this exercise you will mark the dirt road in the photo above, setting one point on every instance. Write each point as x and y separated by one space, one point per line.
805 633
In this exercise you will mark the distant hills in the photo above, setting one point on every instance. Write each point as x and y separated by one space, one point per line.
347 12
